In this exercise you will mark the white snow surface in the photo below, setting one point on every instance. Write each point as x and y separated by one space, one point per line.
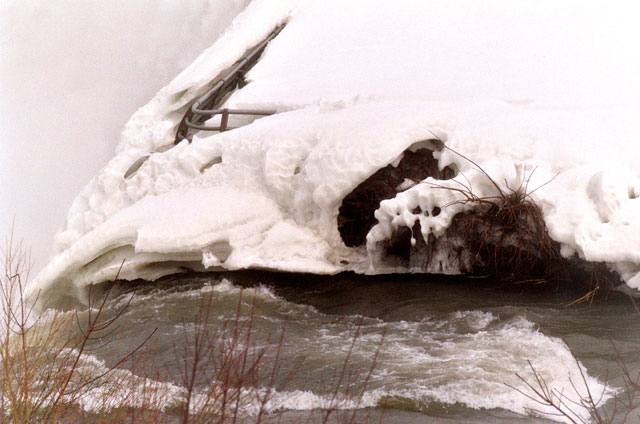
542 94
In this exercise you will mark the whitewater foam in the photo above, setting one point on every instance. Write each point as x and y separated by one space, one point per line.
468 357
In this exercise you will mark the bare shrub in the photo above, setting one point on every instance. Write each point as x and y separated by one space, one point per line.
572 407
229 376
349 386
505 232
582 405
505 236
624 407
44 374
226 374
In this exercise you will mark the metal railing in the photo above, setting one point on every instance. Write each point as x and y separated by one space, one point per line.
224 120
206 106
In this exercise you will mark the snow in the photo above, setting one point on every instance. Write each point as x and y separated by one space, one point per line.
543 94
561 53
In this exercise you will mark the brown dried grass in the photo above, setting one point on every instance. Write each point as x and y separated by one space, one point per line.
506 238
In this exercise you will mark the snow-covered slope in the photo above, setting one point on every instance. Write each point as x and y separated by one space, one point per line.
533 94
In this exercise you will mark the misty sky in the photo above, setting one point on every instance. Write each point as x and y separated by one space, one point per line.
71 73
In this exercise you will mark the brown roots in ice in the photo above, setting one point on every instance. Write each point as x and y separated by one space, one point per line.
504 237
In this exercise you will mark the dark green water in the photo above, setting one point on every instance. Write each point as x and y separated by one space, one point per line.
418 349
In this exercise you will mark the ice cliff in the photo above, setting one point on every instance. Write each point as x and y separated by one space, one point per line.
532 95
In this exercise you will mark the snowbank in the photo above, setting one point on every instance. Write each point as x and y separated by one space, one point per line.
357 85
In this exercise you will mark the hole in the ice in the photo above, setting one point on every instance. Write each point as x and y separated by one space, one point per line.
343 262
296 171
399 248
135 166
436 211
164 267
405 185
438 145
221 249
216 160
356 214
417 210
407 247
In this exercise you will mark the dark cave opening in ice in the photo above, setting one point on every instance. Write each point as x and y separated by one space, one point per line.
356 214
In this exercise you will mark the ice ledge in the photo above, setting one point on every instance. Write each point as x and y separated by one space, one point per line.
268 195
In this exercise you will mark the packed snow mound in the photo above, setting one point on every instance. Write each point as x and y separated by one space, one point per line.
568 53
378 82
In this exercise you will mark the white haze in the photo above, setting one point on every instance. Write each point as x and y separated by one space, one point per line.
71 74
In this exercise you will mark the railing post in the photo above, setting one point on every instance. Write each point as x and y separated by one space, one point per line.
224 120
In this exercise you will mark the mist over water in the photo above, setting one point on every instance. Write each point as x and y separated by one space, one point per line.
71 73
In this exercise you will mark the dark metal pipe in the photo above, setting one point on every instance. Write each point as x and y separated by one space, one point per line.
207 128
214 112
195 117
224 120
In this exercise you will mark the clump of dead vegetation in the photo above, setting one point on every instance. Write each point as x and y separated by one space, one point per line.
580 404
499 233
505 233
44 372
506 237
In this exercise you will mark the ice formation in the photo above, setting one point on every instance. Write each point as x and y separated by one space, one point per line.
535 95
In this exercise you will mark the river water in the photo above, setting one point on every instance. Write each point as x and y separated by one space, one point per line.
417 348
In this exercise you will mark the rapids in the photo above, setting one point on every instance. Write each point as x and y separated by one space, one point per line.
443 349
